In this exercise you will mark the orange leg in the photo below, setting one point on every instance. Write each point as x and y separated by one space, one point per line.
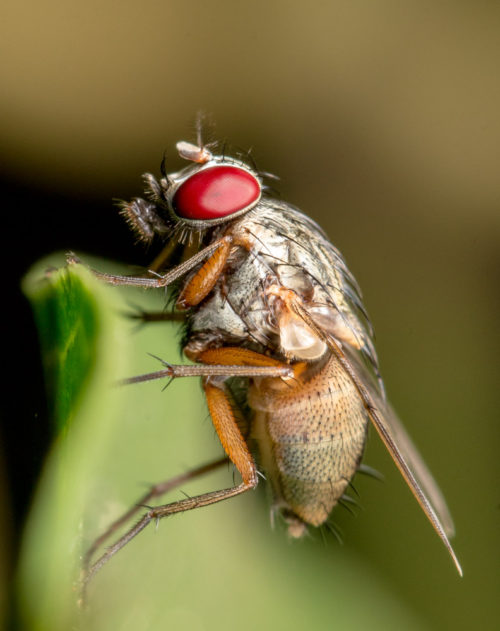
218 364
205 278
237 356
228 432
233 442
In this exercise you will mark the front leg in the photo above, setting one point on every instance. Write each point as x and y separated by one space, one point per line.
169 277
143 217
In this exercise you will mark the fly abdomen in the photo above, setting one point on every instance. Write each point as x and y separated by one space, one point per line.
313 476
311 437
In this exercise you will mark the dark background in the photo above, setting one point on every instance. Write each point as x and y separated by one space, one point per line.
382 121
38 221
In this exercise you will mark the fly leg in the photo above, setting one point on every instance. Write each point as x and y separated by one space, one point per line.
240 362
157 316
222 245
238 452
156 490
231 369
202 283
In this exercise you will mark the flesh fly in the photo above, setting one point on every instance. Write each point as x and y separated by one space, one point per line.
271 311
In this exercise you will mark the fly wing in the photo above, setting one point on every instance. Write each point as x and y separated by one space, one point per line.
394 437
407 450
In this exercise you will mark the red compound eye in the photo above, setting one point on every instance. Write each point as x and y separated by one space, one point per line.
216 192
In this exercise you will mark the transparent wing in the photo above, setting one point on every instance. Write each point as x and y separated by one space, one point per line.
394 437
409 453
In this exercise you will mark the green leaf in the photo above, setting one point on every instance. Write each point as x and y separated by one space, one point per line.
66 313
220 567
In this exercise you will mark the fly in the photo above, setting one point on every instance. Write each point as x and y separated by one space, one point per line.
272 311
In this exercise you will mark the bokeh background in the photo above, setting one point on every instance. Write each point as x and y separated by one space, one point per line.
382 120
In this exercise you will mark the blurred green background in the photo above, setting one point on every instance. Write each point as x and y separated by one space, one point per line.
382 120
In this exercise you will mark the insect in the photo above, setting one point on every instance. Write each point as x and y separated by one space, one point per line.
273 316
